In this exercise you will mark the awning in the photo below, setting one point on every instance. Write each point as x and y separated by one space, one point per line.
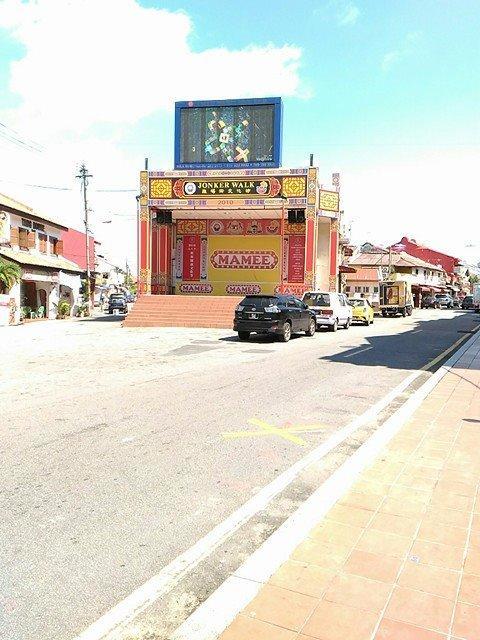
421 288
343 268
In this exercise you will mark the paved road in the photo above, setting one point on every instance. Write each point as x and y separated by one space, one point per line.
114 453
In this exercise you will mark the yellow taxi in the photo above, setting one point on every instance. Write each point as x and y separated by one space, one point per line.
362 310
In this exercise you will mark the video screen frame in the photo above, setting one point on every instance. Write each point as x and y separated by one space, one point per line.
275 162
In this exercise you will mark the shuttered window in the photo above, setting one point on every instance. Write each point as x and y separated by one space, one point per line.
14 236
42 242
32 238
59 248
23 238
52 242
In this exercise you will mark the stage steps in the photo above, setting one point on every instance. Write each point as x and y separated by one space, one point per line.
214 312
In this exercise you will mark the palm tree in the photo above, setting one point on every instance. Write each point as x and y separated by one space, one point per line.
10 274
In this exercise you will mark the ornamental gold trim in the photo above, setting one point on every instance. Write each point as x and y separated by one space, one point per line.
160 188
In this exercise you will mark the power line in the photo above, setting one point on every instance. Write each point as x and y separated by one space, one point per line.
7 133
55 188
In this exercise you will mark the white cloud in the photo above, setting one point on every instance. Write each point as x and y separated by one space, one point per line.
407 48
348 15
91 71
431 197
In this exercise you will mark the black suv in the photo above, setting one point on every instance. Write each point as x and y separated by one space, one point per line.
117 302
277 315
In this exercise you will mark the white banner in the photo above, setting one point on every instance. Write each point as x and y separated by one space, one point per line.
71 280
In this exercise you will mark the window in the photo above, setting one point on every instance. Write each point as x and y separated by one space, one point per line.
366 289
38 226
42 242
52 245
26 223
375 289
317 299
347 289
358 289
23 238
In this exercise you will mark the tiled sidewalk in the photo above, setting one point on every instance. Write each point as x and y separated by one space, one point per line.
398 557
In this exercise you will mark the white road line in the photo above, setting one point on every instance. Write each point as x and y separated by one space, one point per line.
160 584
211 618
355 353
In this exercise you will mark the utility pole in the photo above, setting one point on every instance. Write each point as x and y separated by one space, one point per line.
83 176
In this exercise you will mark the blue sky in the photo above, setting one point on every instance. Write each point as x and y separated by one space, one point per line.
386 93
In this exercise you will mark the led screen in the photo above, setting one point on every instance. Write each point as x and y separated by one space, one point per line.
227 135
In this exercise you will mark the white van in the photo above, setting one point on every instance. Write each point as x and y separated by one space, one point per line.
331 309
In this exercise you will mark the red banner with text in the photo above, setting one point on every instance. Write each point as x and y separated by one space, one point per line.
296 258
191 257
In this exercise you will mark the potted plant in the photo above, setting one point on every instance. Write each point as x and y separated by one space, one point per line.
63 309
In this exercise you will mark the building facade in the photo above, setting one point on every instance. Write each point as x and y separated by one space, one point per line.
235 232
424 278
456 280
35 243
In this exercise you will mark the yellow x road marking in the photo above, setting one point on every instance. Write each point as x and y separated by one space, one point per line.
268 429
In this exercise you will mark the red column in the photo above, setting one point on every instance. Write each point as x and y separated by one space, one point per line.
164 243
309 248
333 273
155 257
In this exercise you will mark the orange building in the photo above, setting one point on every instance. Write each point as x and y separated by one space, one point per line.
230 233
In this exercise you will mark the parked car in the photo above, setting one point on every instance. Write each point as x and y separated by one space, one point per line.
456 302
129 297
430 302
362 310
331 309
276 315
444 300
117 303
467 302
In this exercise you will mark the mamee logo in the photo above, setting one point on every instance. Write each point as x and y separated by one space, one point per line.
242 289
186 287
244 259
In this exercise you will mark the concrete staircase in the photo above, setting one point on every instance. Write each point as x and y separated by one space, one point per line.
183 311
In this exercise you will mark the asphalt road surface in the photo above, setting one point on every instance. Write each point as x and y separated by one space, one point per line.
121 448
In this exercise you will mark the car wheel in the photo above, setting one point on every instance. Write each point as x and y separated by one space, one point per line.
243 335
334 326
312 327
404 313
347 324
384 313
286 332
366 322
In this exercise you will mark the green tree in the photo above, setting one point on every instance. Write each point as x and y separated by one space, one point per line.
474 279
10 274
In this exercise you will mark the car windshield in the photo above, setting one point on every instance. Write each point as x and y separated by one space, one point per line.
357 303
317 299
117 297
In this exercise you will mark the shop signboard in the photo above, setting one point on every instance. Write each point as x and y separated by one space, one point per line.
227 134
329 200
4 227
33 275
219 191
